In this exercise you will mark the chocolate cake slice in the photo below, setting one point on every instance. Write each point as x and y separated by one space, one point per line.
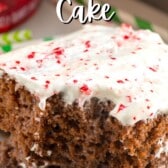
94 99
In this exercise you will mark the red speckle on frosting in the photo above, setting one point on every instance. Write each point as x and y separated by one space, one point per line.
31 55
58 51
57 75
33 78
85 89
153 69
17 62
148 107
22 68
58 61
47 82
120 81
39 61
151 114
107 77
13 67
87 44
121 107
134 118
139 48
75 81
86 50
126 37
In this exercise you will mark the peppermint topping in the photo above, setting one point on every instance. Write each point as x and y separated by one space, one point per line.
119 64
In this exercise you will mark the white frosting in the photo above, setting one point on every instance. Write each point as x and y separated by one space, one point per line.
128 67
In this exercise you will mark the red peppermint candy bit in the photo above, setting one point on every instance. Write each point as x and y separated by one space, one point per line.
86 50
33 78
120 81
17 62
58 61
151 114
22 68
151 91
107 77
75 81
126 37
139 48
85 89
113 58
121 107
134 118
13 67
148 107
39 61
153 69
87 44
57 75
31 55
147 100
47 84
58 51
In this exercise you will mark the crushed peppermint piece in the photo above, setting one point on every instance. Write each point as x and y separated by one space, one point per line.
75 81
126 37
33 78
17 62
107 77
152 69
120 81
31 55
22 68
87 44
121 107
85 89
58 51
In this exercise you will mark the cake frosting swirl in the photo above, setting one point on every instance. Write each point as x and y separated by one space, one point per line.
119 64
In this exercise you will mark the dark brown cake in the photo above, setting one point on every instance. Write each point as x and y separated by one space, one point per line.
68 135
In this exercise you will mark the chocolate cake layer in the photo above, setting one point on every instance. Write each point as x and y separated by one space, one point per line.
68 136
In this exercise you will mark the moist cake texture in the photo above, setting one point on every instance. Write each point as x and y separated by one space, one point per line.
96 98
